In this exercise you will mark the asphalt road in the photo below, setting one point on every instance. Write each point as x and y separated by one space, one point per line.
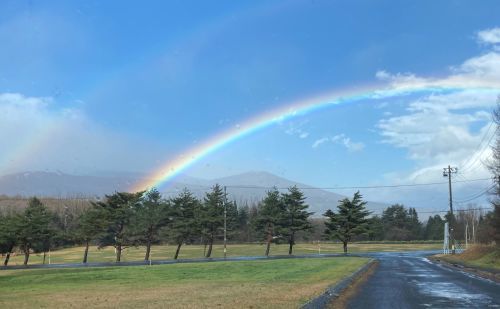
409 280
167 262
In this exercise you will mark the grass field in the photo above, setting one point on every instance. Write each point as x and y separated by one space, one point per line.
74 255
477 256
242 284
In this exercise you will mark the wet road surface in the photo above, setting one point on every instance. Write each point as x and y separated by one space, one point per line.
409 280
401 280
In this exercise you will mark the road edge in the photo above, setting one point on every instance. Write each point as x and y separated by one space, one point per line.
334 291
476 271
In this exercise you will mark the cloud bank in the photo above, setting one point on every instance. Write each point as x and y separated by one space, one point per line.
37 133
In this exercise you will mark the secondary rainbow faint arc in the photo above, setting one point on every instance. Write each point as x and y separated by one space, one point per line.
173 167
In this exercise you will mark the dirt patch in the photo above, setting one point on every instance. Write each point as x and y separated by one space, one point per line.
353 288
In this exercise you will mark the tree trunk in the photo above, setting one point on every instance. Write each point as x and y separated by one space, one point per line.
118 253
148 250
44 255
7 257
269 240
178 250
268 247
86 252
292 242
345 247
26 256
210 244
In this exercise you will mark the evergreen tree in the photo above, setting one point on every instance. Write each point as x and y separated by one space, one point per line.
244 223
401 223
212 216
232 219
184 224
434 229
91 224
349 221
8 238
414 225
270 217
118 210
295 215
34 231
150 216
375 228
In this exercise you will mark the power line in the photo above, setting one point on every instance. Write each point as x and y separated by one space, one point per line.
464 166
472 167
443 211
204 188
476 195
357 187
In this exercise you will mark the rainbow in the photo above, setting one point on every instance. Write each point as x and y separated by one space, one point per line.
173 167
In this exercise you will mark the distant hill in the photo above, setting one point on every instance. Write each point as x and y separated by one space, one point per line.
244 188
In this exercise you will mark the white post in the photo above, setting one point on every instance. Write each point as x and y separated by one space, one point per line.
473 233
49 256
446 244
466 235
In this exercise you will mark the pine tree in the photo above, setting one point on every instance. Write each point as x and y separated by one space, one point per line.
295 216
8 235
270 217
434 229
349 221
119 209
184 219
414 225
91 224
375 228
150 216
244 223
212 216
34 231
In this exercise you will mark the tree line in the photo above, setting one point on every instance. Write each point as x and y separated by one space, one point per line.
145 218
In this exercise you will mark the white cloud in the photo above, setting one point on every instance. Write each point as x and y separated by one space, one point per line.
479 71
38 134
320 141
296 129
489 36
437 130
441 129
340 139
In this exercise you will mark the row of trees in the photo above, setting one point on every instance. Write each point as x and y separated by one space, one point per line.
125 219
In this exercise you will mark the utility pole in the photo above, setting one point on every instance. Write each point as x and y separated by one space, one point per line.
447 171
225 222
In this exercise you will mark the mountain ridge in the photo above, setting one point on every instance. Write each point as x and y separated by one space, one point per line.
245 188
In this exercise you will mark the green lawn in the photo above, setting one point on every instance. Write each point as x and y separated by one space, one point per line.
74 255
243 284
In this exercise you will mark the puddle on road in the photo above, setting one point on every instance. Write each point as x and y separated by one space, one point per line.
451 293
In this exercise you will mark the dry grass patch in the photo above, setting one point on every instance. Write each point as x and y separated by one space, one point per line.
244 284
481 256
166 252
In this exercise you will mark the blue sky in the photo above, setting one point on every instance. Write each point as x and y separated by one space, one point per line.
94 86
